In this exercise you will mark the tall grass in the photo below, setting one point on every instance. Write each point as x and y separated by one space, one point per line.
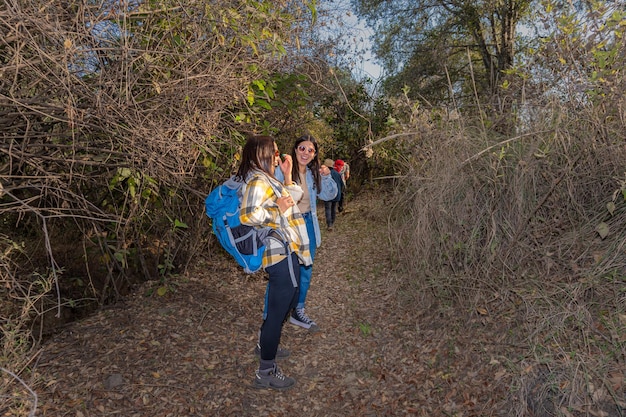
528 228
17 350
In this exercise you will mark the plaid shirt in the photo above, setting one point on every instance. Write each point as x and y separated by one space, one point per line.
259 208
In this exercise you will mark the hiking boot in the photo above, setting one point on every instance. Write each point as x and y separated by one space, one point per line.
272 378
280 353
299 318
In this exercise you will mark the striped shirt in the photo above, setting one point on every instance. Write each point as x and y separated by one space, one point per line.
259 208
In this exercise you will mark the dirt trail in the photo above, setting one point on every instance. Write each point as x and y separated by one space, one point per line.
189 353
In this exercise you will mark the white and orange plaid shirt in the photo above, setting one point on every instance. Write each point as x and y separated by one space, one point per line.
259 208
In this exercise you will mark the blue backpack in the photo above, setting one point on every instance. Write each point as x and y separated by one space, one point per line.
242 242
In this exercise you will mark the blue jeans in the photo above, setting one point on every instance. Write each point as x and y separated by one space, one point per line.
307 271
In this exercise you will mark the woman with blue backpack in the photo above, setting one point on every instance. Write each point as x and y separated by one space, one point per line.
316 182
271 203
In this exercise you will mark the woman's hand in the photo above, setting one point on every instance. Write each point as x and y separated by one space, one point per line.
285 166
285 203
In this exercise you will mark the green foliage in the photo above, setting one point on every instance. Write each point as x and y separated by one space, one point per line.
346 115
134 185
354 118
588 44
441 46
273 100
365 328
140 113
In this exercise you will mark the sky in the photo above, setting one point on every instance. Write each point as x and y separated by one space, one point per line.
365 64
370 67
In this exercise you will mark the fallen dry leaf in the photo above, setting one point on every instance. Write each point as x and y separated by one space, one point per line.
190 353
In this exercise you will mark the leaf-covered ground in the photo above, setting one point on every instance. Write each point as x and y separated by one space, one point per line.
190 352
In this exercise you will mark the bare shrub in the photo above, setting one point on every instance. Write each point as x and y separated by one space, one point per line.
17 351
116 118
513 228
116 122
527 230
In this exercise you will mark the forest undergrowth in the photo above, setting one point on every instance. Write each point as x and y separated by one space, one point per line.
384 350
189 352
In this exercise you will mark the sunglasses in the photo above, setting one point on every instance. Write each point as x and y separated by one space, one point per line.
277 153
305 149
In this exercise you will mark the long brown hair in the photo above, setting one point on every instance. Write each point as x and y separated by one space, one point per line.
258 153
314 164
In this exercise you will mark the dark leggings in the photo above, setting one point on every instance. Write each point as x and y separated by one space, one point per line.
282 297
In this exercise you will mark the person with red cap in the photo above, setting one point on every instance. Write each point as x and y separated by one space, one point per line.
343 169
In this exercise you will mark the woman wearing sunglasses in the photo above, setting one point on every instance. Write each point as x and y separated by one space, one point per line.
316 182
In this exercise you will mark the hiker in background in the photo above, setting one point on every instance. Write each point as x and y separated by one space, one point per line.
316 182
330 206
343 169
286 247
